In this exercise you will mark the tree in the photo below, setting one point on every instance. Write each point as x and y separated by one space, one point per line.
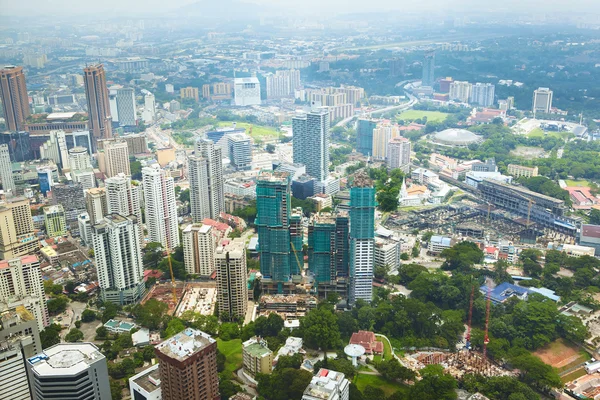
595 217
74 335
101 333
268 326
88 315
534 372
50 335
462 256
347 324
116 389
319 328
150 314
372 392
136 169
435 385
227 388
294 361
284 384
229 331
381 271
394 371
70 287
51 289
270 148
57 305
110 311
153 253
184 196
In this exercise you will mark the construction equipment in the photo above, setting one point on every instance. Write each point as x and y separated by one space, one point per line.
486 338
468 337
300 265
168 251
531 202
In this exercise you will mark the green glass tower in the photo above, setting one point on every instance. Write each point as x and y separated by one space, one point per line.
364 136
328 247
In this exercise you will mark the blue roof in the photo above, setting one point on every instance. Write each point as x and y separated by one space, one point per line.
545 292
443 240
505 290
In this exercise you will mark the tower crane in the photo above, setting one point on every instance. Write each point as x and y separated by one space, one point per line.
168 251
468 337
486 338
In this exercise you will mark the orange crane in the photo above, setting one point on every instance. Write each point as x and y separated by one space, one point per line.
172 275
486 338
468 337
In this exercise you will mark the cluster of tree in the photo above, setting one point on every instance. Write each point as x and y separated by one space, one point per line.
308 207
339 155
387 185
498 387
248 213
151 314
177 263
74 335
543 185
57 304
136 169
50 335
50 288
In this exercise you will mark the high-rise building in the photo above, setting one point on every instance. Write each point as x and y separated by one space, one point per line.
96 93
206 181
398 154
126 107
188 366
161 207
79 158
69 371
199 249
328 247
70 197
240 151
460 91
273 212
246 91
397 66
21 284
482 94
362 237
123 196
6 172
114 158
55 220
146 384
364 136
55 149
382 134
542 100
85 228
95 204
283 83
257 357
136 143
47 177
189 93
428 78
17 235
232 280
149 111
328 385
19 322
311 142
13 93
117 249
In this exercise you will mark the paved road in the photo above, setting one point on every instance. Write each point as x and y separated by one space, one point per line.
245 383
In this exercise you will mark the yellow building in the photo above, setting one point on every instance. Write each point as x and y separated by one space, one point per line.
56 223
17 236
518 171
257 357
382 135
189 93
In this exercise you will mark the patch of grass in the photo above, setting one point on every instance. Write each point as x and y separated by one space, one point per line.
259 132
232 350
377 358
580 182
387 350
578 373
583 357
410 115
539 133
389 388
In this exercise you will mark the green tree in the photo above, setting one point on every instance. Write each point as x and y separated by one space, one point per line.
284 384
88 315
462 256
150 315
294 361
74 335
153 253
320 329
101 333
435 385
184 196
174 326
50 335
110 311
229 331
595 217
57 305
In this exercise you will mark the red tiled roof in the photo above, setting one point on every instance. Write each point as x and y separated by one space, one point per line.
221 226
367 340
591 230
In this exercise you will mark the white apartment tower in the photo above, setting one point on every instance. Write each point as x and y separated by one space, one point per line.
79 159
95 204
542 100
311 142
232 280
17 233
161 207
21 284
283 83
398 154
123 197
8 182
118 255
199 250
115 158
69 371
460 91
149 111
206 181
482 94
246 91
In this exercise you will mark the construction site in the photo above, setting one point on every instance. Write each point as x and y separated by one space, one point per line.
458 364
166 293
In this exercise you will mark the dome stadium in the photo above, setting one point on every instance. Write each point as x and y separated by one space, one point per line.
456 137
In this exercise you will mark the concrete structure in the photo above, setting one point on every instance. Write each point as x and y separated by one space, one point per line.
205 167
199 249
246 91
364 136
95 204
428 78
456 137
398 154
115 326
232 280
589 235
114 158
15 385
387 252
85 228
188 366
382 134
69 371
161 207
132 64
17 235
578 250
118 255
362 238
518 171
55 221
328 385
149 111
96 93
258 359
6 175
14 98
460 91
126 107
240 151
311 142
146 384
283 83
55 149
328 248
79 158
437 244
123 197
542 100
189 93
482 94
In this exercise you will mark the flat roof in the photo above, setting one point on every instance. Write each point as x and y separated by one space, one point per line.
149 379
60 115
65 359
257 350
185 344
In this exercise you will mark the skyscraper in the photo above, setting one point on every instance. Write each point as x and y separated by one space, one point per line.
232 280
460 91
199 249
362 237
161 207
13 93
273 212
283 83
96 93
328 251
240 151
123 196
126 107
79 158
311 142
397 66
482 94
206 181
398 154
114 158
542 100
69 371
149 111
118 256
382 134
95 204
188 366
17 234
55 220
21 285
6 173
364 136
428 69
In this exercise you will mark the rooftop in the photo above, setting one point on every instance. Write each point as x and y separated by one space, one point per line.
590 231
65 359
58 208
257 350
324 384
185 344
149 379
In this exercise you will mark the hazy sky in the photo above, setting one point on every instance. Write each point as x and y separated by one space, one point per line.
133 7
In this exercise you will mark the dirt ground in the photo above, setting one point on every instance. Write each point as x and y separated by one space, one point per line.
558 354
